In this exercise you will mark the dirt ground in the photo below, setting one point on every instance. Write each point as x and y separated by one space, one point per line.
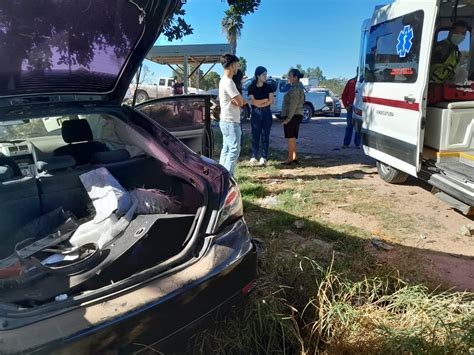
406 215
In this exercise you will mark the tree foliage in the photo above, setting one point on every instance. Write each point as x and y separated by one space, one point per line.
233 21
243 65
177 27
336 85
310 72
30 36
211 81
146 76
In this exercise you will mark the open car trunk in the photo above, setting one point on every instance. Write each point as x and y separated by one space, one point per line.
45 261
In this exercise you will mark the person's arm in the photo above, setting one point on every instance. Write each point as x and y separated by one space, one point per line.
263 102
344 95
270 99
259 103
292 104
440 53
237 99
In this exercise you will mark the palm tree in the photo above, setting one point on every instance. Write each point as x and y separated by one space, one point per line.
232 24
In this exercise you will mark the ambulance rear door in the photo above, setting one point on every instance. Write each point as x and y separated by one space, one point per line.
393 83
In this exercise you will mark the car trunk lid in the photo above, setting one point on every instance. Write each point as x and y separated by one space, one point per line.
75 50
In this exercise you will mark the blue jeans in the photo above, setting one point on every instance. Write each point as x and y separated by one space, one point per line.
231 133
349 129
261 125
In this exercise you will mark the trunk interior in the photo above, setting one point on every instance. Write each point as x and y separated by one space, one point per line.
33 208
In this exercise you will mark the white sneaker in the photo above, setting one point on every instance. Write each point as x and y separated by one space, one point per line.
262 162
253 162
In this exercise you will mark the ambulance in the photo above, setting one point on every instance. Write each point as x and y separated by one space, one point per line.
409 124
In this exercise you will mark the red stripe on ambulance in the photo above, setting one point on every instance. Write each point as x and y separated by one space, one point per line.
415 106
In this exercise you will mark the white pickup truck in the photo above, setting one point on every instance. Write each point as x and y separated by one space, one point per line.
163 88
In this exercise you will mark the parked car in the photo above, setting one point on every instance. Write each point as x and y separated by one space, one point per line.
116 233
162 88
333 103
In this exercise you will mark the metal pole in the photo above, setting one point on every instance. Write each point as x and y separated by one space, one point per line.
185 74
198 81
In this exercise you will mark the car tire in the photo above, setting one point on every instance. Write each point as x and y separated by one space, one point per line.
390 174
142 96
307 112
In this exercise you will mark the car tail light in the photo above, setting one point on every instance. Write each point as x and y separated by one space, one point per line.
249 287
232 207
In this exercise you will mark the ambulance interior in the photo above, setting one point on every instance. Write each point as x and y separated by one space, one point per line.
449 130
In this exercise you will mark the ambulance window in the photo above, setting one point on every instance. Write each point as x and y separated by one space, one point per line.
393 47
464 46
363 48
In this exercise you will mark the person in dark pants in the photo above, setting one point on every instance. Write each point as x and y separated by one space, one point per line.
292 110
261 98
348 96
178 86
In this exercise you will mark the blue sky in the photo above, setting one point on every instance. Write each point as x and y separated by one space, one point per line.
283 33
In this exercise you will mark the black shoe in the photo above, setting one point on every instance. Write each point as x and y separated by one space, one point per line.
296 162
286 163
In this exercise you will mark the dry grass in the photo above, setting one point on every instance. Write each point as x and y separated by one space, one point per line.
320 291
319 310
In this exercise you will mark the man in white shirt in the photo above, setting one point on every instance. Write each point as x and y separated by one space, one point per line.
230 101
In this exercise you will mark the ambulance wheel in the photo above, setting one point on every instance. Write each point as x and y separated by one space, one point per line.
390 174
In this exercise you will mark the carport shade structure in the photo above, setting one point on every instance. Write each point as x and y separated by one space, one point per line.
181 56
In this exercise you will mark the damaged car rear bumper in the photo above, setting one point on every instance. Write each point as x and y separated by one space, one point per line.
150 314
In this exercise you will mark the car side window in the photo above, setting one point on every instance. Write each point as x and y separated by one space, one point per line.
393 48
178 113
162 82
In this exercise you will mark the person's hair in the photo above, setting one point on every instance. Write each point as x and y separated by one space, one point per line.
460 23
228 59
296 73
237 79
175 78
259 71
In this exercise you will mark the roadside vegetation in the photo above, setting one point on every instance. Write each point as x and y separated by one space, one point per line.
322 288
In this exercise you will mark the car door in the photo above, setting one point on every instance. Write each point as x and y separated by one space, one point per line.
188 118
395 81
169 87
357 112
278 96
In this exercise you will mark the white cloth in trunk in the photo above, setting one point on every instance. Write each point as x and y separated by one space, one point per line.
106 193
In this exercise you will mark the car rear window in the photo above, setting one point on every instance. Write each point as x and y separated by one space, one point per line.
65 46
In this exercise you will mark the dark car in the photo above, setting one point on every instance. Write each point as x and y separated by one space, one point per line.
116 232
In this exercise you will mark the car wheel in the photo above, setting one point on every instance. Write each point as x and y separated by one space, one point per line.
307 113
390 174
141 96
